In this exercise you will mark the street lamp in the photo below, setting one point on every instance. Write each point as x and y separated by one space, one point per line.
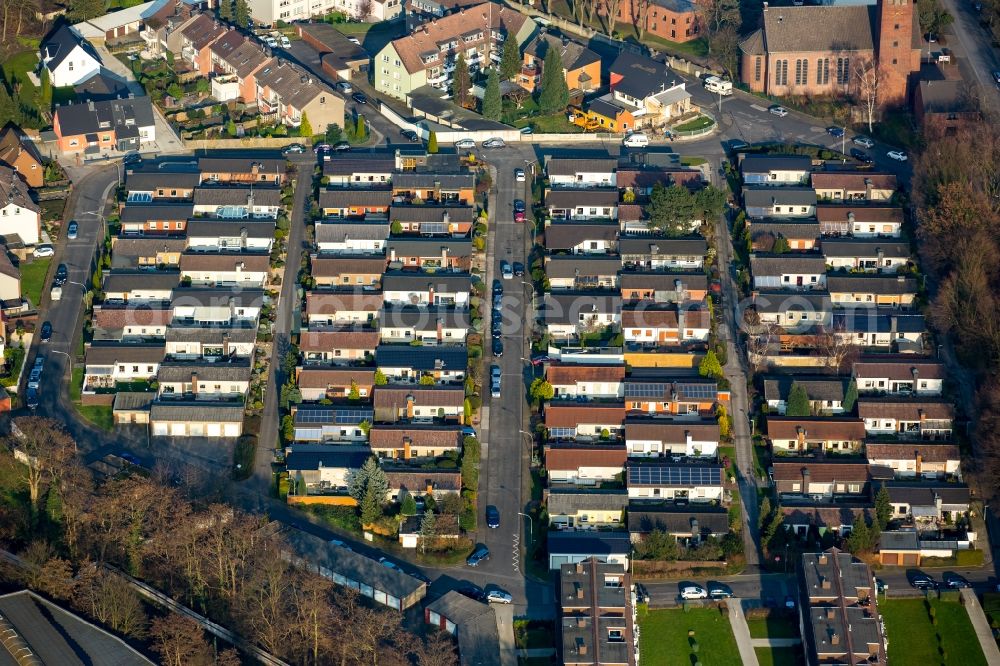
531 530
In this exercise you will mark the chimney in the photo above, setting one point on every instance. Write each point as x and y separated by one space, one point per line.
823 558
582 649
409 406
835 639
850 221
430 294
446 219
440 330
919 460
579 567
407 443
916 375
225 345
194 383
805 480
827 584
868 189
765 6
392 254
444 255
681 320
695 529
90 105
830 612
579 591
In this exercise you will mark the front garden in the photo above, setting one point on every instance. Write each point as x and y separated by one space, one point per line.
687 635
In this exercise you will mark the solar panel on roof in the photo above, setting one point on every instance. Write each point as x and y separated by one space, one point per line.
657 475
707 391
645 390
321 416
433 228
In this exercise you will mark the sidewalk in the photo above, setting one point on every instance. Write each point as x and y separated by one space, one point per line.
742 633
982 626
775 642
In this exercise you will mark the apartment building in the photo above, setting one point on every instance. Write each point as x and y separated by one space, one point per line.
597 616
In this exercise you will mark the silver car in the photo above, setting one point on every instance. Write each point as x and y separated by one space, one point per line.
465 144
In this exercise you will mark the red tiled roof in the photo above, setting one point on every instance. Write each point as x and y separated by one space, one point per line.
327 303
671 431
115 318
567 458
819 472
927 451
570 374
312 378
909 410
333 266
825 429
569 416
833 180
314 341
391 437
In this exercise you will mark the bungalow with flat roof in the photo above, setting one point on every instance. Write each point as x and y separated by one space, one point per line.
585 508
324 424
106 365
597 615
794 312
238 202
222 235
210 342
584 173
426 289
584 464
572 420
665 325
439 254
158 219
204 380
242 170
147 187
230 269
434 187
928 505
317 469
360 169
413 441
876 328
659 437
147 252
131 322
216 307
419 483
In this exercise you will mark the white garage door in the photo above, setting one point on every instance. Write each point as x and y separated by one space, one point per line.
196 429
232 430
178 429
160 429
214 429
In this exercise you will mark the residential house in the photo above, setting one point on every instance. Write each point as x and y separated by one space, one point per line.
776 169
237 203
142 286
661 287
572 420
354 203
796 312
440 254
870 255
804 516
10 282
908 546
244 269
159 219
582 238
419 404
415 441
19 153
446 364
569 313
99 127
196 40
653 479
872 289
825 393
585 508
674 20
473 624
841 617
244 170
659 437
221 235
338 55
854 186
236 62
419 12
426 56
926 504
431 326
805 434
319 469
870 328
317 383
358 170
586 382
431 220
435 483
570 172
107 365
844 479
342 271
917 460
571 547
581 66
349 346
351 238
597 614
210 342
783 202
640 180
341 307
205 380
434 187
129 322
648 90
649 392
573 203
331 424
604 114
68 57
788 271
216 307
653 253
908 418
578 272
764 233
859 221
147 252
439 289
690 524
945 102
270 12
902 375
665 325
20 216
584 464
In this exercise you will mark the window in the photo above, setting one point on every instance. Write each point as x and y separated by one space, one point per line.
756 68
801 71
615 636
781 73
843 71
823 71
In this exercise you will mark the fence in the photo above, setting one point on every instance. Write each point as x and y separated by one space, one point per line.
246 142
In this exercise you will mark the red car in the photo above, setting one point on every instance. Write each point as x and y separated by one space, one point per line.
519 210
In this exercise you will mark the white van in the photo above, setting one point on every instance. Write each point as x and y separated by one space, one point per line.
720 86
636 141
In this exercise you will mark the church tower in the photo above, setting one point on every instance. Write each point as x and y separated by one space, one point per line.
895 50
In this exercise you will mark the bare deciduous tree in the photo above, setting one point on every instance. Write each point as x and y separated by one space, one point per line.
179 641
364 10
641 15
46 447
108 597
612 7
438 649
869 76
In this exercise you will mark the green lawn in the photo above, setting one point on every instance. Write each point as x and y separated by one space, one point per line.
17 67
699 123
99 415
692 161
913 639
552 123
76 384
779 656
773 627
991 606
664 637
33 279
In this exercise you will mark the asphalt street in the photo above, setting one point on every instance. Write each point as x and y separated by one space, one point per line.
972 45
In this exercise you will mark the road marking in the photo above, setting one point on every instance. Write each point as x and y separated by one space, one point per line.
517 552
758 107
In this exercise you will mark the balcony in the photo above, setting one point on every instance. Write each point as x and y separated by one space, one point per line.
438 80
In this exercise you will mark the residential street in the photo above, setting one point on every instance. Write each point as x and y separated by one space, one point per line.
971 45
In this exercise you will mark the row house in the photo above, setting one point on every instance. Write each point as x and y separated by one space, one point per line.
582 238
783 170
140 286
804 516
433 220
130 322
434 483
825 393
582 204
108 364
415 441
326 308
237 203
333 383
800 236
879 330
331 424
196 39
658 254
578 272
788 271
373 169
794 311
289 93
236 61
928 506
868 255
405 288
430 326
596 607
147 252
784 202
148 187
917 460
354 203
243 269
200 380
649 393
347 272
659 437
641 181
324 469
423 404
220 235
588 382
338 347
451 254
437 188
859 221
873 289
566 172
584 508
570 420
210 342
659 326
245 170
403 363
584 464
903 375
801 435
690 524
843 479
660 287
844 186
655 480
216 307
926 418
569 313
155 219
351 237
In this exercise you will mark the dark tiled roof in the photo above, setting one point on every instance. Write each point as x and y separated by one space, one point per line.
570 166
571 198
816 387
237 196
124 115
688 519
423 358
426 213
109 354
642 76
871 283
781 264
899 368
574 55
663 247
182 371
820 29
858 247
344 198
765 197
581 265
768 163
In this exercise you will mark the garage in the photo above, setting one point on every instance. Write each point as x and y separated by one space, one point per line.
233 429
196 429
178 429
160 430
214 430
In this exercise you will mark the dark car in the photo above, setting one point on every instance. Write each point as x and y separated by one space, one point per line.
132 158
518 269
480 554
62 274
410 136
46 333
472 592
497 327
360 98
641 594
922 581
492 517
497 287
718 590
836 132
955 581
31 399
497 347
73 230
861 156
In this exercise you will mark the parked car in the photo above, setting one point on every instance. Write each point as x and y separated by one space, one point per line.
778 110
497 348
344 87
342 147
465 144
499 597
636 140
527 130
271 42
43 251
410 136
922 581
472 592
641 594
73 230
285 43
519 175
31 398
955 582
468 431
495 142
835 132
492 515
34 378
494 393
293 149
129 458
790 602
497 287
693 592
360 98
132 158
322 148
354 40
339 544
718 590
736 146
518 269
898 155
519 210
506 270
497 327
861 156
480 554
62 274
863 141
46 332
